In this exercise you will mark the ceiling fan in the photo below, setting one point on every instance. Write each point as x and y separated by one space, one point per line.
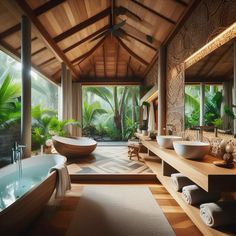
116 29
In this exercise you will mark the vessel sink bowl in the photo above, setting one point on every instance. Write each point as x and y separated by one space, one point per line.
166 141
191 149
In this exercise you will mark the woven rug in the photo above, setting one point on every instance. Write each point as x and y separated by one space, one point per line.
118 211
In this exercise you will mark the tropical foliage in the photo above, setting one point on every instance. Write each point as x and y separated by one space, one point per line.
213 101
118 115
45 124
9 101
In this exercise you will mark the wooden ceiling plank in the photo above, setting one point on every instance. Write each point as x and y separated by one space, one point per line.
141 60
154 12
32 40
81 58
181 2
38 51
224 55
10 31
178 26
117 59
86 38
104 61
127 70
46 62
45 35
47 6
82 25
139 40
94 67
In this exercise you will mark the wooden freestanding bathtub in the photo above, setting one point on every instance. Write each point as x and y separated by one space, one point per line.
74 147
20 205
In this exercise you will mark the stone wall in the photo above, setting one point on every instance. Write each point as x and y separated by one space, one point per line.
151 77
206 21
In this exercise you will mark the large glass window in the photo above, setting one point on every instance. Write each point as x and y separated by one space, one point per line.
44 105
111 112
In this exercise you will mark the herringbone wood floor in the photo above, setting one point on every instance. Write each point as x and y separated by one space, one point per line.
108 160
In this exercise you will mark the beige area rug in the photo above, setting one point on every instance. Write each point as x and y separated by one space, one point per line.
118 211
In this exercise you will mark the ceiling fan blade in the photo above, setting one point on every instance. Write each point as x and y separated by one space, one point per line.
118 25
104 33
124 11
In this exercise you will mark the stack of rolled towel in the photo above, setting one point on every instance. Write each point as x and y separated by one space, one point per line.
194 195
218 214
179 181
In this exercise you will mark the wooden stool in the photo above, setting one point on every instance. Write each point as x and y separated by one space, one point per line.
133 150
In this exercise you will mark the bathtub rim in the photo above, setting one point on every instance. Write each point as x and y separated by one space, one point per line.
50 174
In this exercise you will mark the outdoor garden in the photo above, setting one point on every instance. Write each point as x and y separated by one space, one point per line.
215 109
111 112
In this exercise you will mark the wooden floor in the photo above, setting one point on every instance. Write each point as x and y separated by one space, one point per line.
108 160
57 215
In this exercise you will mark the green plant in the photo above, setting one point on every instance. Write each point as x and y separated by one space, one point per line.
45 124
217 122
9 104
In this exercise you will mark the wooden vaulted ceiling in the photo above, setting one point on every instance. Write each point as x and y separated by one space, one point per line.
74 31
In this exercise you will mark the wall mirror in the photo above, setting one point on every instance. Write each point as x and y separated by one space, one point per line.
209 90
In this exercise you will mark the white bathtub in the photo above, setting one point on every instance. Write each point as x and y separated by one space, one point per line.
19 208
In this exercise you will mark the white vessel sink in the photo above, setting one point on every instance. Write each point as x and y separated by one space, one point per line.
166 141
191 149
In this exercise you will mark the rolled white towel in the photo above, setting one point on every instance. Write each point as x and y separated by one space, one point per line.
218 214
63 180
179 181
193 194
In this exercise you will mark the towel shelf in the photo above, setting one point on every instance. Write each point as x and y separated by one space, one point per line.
155 165
205 174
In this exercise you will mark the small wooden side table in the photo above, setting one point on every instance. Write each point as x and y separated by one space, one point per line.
133 150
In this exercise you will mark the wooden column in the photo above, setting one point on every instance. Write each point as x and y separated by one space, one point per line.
63 91
234 87
161 90
202 101
26 85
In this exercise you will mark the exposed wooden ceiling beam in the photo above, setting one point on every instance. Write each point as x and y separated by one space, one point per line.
10 31
38 51
87 54
45 35
181 2
82 25
154 12
86 38
47 6
139 40
46 62
141 60
111 81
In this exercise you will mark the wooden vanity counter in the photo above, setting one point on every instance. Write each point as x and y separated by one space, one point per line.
202 172
164 162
